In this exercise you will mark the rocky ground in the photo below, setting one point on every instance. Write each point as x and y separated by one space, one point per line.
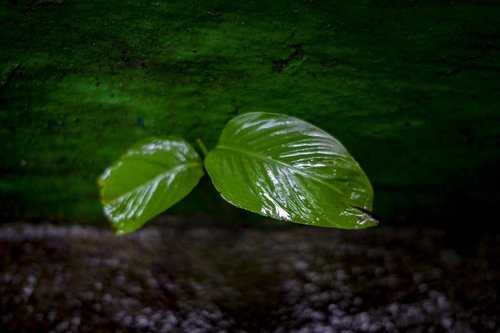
169 278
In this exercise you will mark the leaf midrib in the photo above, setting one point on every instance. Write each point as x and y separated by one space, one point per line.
161 175
271 160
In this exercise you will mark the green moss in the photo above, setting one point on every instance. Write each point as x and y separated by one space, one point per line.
411 89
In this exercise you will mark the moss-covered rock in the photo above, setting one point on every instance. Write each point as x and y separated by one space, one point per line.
410 88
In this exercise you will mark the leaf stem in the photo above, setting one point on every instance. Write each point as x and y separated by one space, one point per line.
203 148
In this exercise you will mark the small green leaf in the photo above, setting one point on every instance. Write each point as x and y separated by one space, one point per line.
287 169
152 176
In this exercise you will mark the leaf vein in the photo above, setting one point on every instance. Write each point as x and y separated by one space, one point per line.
271 160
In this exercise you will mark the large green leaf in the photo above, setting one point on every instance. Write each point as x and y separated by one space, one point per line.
152 176
287 169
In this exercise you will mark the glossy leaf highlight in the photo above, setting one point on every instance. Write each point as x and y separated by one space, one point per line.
151 177
285 168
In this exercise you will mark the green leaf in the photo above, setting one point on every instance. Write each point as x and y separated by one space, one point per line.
152 176
288 169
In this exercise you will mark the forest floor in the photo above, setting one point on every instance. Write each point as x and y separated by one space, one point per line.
277 279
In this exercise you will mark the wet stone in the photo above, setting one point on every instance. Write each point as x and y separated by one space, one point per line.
207 279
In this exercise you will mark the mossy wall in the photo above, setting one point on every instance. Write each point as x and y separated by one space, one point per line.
411 88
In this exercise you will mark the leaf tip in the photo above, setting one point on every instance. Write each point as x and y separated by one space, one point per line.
119 232
367 220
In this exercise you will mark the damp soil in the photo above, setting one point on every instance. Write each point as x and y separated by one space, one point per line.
170 278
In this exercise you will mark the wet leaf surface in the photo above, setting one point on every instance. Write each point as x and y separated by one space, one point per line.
285 168
152 176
